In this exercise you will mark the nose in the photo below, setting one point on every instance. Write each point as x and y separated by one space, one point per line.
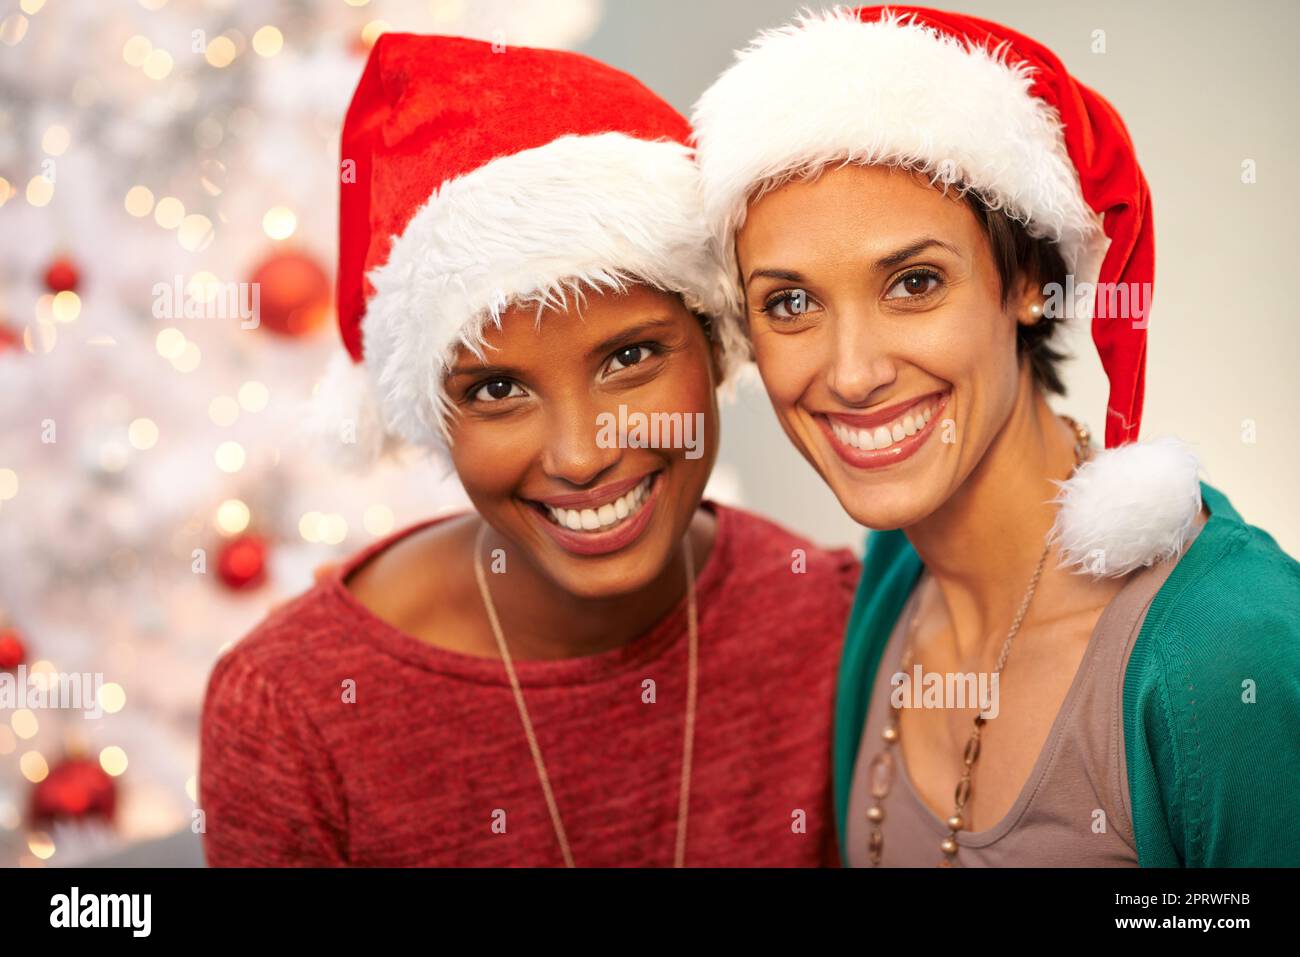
574 451
859 362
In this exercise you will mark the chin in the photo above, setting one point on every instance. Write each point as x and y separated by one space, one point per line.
609 577
886 499
881 509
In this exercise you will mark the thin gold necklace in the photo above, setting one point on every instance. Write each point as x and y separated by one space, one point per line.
688 735
880 773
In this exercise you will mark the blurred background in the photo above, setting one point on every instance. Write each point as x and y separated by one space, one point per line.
154 501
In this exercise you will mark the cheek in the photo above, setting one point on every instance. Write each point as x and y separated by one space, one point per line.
684 385
991 356
981 366
787 365
692 381
490 458
688 388
973 344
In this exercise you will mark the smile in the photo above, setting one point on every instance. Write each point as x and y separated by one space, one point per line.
606 516
602 520
885 437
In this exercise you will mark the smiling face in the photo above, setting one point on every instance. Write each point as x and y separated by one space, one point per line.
878 324
536 435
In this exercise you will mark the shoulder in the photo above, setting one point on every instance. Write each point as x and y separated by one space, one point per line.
1213 683
394 582
278 656
1232 600
306 644
269 784
762 552
778 588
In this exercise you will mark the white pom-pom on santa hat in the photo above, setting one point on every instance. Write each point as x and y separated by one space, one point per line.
1128 507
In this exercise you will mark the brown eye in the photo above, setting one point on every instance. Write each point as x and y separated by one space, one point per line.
914 284
497 389
629 356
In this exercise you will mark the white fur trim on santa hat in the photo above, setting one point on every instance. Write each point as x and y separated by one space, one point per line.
1128 507
539 226
830 88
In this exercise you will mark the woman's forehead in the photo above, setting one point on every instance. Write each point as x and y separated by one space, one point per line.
851 211
533 334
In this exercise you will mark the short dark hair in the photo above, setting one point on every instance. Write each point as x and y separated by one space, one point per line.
1017 253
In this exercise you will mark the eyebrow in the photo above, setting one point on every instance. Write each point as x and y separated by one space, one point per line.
632 334
907 252
888 261
621 338
504 372
789 275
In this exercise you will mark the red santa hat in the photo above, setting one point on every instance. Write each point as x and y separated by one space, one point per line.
976 105
477 177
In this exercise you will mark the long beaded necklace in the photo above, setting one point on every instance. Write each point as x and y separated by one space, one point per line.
880 773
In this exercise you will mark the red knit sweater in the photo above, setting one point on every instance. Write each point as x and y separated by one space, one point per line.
429 765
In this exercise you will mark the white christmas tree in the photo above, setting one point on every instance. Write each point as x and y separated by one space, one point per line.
150 441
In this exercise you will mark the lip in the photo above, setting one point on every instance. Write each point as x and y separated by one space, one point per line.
601 543
593 498
898 451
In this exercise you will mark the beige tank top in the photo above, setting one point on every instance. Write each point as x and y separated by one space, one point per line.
1081 769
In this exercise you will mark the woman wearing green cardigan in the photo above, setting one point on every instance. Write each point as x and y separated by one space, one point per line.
1059 655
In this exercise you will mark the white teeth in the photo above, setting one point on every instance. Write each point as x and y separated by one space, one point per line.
603 516
883 436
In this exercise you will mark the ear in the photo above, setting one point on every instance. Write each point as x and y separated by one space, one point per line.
1026 302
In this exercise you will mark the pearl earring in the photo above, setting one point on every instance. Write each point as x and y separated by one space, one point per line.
1036 310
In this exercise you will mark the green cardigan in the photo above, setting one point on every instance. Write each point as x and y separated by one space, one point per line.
1213 781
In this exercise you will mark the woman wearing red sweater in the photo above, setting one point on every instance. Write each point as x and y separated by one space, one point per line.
593 668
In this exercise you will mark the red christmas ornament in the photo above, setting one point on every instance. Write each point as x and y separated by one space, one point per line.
12 650
9 338
241 563
293 293
62 275
75 789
